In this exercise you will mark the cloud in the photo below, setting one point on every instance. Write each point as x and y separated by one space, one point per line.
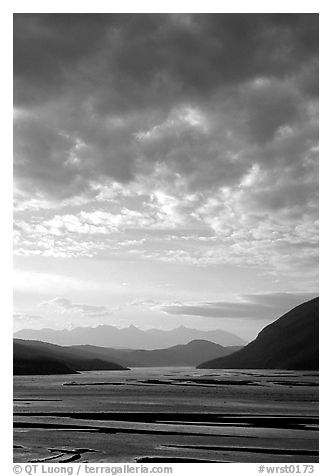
89 86
240 226
23 317
189 53
286 300
132 127
66 306
255 306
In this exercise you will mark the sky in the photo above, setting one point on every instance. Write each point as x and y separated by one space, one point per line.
165 169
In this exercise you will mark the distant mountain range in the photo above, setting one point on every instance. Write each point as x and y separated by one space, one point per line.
129 338
291 342
86 357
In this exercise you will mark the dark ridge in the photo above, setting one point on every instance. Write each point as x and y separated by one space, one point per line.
40 366
185 355
40 358
88 357
291 342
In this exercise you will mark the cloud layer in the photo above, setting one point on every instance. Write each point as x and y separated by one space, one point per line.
264 306
180 138
113 95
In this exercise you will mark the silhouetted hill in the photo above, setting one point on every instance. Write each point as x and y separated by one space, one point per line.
291 342
40 367
47 358
87 357
180 355
129 338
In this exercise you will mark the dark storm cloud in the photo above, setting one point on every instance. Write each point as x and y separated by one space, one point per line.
268 106
49 48
154 56
256 306
86 85
39 151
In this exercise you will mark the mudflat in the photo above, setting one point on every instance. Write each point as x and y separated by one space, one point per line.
167 414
